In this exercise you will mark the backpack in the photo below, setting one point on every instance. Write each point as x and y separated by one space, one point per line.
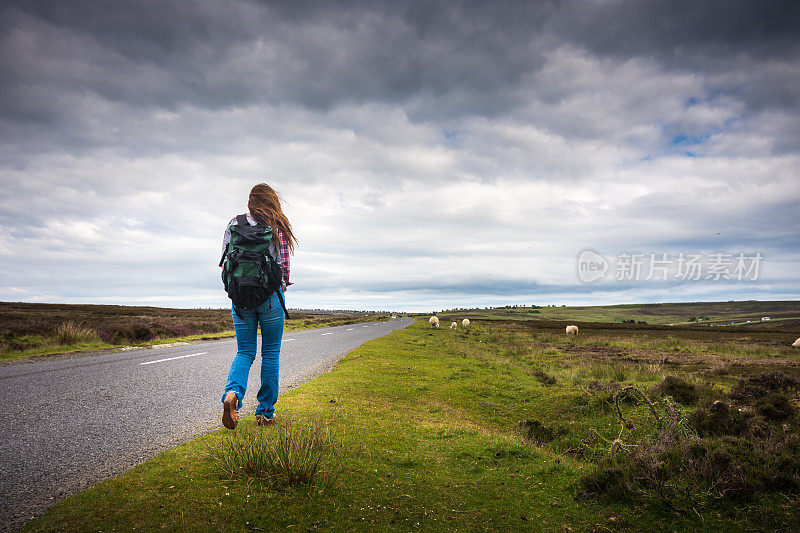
249 273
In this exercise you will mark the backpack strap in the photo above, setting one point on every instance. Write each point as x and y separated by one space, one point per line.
241 220
283 302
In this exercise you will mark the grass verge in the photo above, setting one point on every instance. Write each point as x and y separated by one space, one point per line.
491 430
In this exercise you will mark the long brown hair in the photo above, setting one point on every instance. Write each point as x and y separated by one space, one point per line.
265 207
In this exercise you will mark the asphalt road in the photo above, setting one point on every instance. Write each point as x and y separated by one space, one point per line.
68 423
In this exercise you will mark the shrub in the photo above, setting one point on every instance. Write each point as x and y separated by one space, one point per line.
537 433
776 407
783 462
681 391
71 333
602 393
544 378
289 453
679 472
138 332
720 418
754 388
729 464
181 330
608 480
734 455
212 327
28 342
109 336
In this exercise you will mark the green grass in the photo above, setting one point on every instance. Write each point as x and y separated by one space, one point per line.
294 452
426 425
33 345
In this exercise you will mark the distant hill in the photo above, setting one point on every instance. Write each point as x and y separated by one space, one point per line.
783 315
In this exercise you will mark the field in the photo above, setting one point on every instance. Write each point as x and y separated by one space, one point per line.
39 329
510 426
783 315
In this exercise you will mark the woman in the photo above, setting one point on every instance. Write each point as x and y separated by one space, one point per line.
265 208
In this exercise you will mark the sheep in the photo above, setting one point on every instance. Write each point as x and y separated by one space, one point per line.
796 343
572 330
434 321
453 326
465 323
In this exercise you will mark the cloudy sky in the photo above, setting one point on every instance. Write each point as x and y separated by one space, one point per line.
430 154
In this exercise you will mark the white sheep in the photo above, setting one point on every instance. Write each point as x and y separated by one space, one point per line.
796 343
465 323
434 321
572 330
453 326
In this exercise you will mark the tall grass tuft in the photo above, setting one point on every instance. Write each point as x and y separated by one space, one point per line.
71 333
292 452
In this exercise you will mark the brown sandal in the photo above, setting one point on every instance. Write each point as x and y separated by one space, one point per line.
230 413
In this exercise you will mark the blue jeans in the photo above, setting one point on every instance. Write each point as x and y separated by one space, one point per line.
270 317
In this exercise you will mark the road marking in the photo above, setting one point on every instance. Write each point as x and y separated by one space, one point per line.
173 358
365 326
350 329
287 340
331 333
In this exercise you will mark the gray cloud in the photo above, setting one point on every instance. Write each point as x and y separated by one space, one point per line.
686 31
319 55
238 53
66 69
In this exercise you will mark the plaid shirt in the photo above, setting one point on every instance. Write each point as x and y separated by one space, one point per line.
282 248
